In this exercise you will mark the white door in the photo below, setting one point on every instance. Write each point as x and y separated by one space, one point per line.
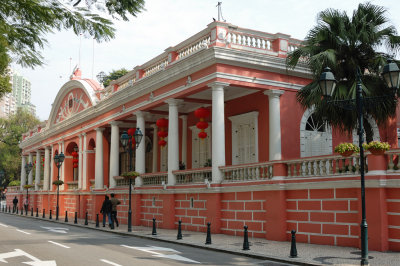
201 148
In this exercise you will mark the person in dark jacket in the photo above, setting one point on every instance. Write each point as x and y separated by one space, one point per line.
106 209
15 202
115 202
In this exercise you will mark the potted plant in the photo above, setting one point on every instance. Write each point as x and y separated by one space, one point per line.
130 175
376 147
58 182
27 186
346 149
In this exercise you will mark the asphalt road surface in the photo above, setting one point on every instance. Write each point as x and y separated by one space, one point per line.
25 241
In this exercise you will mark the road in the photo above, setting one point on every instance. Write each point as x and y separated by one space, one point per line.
26 241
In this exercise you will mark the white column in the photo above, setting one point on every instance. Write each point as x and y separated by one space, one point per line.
99 175
173 139
38 166
46 173
23 173
84 163
275 152
218 130
51 168
155 148
184 138
140 159
30 176
114 153
80 153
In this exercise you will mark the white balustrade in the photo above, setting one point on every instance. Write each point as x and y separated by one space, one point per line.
193 175
248 172
190 49
248 40
156 67
154 179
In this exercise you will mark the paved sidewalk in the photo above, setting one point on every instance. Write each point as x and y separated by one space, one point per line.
308 254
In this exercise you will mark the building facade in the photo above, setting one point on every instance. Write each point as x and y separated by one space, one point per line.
21 91
252 156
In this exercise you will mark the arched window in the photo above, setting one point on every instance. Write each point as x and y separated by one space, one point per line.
315 136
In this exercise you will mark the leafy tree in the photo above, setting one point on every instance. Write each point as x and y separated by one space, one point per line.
24 24
105 79
11 130
347 44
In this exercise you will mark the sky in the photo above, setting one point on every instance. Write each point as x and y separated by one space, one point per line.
166 23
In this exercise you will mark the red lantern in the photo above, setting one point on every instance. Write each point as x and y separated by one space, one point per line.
202 125
75 161
162 134
162 122
74 154
75 165
202 135
202 112
131 132
162 143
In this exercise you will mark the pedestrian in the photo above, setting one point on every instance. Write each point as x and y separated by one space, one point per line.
26 204
115 202
106 211
15 202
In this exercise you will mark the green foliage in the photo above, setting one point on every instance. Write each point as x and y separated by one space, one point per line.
15 183
58 182
345 146
132 174
377 145
11 130
113 75
347 44
24 24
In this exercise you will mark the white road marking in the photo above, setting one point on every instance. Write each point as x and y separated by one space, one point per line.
35 261
154 249
110 262
60 230
23 232
4 225
58 244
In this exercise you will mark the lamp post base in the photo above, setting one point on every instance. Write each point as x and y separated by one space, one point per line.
57 213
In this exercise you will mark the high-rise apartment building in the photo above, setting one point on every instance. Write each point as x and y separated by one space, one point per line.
19 97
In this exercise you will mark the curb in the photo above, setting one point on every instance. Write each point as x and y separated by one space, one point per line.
293 261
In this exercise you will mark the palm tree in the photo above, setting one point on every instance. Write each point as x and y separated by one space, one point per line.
347 45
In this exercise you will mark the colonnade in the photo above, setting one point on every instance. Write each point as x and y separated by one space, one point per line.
217 152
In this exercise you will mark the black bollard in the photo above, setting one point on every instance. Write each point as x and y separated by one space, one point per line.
208 238
246 245
66 217
22 211
50 215
179 230
76 218
31 211
86 219
97 220
154 232
293 249
37 212
44 213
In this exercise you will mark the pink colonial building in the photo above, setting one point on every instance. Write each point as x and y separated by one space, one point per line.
263 161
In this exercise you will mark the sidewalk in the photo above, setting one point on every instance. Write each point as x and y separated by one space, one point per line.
308 254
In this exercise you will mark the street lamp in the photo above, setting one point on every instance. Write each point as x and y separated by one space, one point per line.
327 84
58 160
126 141
28 169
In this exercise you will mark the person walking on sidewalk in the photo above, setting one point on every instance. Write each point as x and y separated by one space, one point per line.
115 202
26 204
106 211
15 202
